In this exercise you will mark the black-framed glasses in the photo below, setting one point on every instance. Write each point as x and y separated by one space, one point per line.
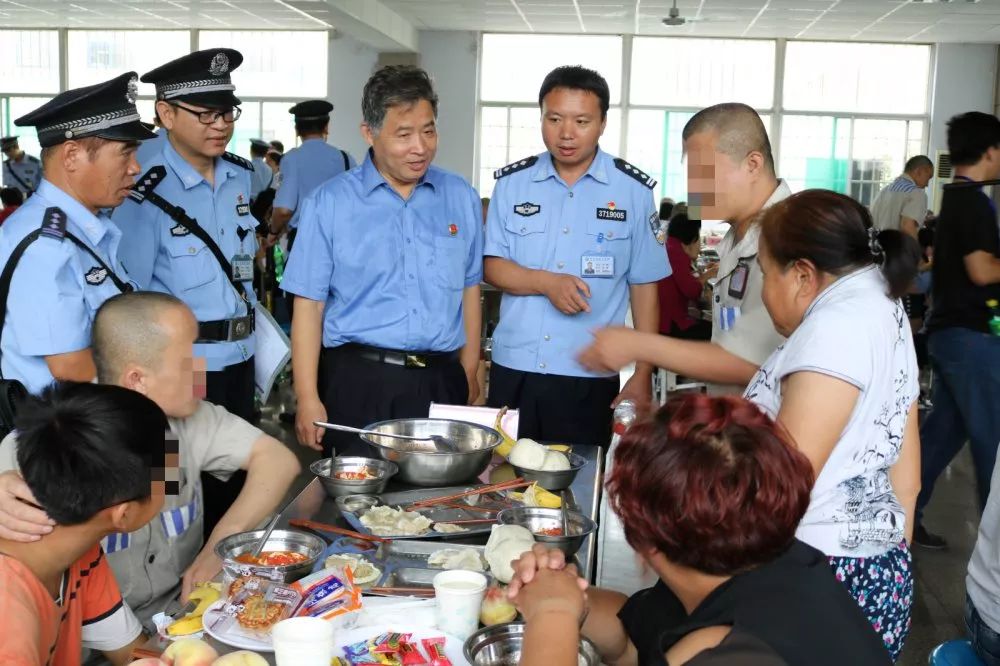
212 116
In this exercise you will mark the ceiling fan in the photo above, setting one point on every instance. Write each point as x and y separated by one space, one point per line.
675 19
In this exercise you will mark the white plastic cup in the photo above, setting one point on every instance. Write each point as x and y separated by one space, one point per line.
303 641
459 596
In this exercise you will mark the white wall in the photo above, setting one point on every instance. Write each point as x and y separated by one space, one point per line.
452 59
963 79
350 65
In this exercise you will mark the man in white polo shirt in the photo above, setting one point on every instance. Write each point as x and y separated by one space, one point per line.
902 204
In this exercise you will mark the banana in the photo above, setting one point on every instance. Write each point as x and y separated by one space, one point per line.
561 448
535 495
508 442
205 594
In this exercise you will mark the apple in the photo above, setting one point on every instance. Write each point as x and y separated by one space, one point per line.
240 658
190 652
148 661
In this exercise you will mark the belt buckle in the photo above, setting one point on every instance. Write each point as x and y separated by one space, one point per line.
415 361
239 329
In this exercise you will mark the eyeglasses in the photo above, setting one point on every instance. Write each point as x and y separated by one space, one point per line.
211 117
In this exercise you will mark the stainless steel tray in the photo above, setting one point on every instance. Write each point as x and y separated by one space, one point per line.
352 507
403 563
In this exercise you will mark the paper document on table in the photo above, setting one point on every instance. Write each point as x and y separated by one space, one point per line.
484 416
273 352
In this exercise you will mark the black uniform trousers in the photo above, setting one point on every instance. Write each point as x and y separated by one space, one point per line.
358 391
289 296
556 408
232 388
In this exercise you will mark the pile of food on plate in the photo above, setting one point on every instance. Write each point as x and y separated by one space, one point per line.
273 558
354 475
362 569
393 649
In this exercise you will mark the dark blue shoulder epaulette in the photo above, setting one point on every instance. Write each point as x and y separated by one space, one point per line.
514 167
238 161
54 223
147 183
635 172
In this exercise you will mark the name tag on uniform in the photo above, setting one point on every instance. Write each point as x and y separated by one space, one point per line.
728 317
242 267
597 265
738 280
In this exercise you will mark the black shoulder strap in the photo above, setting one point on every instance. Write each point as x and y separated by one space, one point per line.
143 191
13 173
514 167
635 172
233 158
347 161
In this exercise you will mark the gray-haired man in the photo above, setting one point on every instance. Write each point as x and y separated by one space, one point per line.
386 273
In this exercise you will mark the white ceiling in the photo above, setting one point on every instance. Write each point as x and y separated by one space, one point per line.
874 20
871 20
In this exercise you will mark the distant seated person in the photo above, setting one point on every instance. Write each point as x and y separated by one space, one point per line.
94 456
682 289
667 206
12 198
709 492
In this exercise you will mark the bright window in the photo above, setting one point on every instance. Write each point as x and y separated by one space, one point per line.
702 72
277 123
12 109
856 78
514 66
29 61
98 55
510 133
275 64
247 127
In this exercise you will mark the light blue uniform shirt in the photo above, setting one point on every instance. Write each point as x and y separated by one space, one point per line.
390 270
305 168
24 174
538 222
261 177
161 257
150 148
57 287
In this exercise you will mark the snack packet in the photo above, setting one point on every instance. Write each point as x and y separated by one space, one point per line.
254 607
327 594
435 650
410 655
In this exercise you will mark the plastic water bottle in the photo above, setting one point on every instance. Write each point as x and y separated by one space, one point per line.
625 415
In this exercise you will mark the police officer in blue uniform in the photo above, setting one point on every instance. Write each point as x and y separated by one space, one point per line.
305 168
571 240
59 252
386 275
262 176
20 169
187 230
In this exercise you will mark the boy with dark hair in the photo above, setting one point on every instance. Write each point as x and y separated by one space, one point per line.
11 198
94 457
964 356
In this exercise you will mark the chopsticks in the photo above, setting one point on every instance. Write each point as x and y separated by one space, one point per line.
470 521
402 591
495 488
323 527
469 507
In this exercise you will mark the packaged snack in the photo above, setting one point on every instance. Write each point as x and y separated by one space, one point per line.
339 661
255 606
435 650
391 643
410 655
328 594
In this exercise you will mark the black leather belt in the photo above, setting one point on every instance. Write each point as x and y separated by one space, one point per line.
403 358
226 330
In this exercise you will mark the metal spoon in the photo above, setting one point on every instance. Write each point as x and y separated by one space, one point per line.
255 553
441 444
564 505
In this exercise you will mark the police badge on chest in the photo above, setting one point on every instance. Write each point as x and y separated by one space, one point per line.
242 207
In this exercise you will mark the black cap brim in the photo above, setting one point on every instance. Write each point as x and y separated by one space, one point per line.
220 99
136 131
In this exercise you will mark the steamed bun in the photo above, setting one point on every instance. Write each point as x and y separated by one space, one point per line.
528 453
555 462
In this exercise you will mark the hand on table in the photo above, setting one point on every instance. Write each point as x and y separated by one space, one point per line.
19 520
305 414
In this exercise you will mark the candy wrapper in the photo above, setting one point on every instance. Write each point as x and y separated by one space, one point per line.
435 650
254 606
328 594
410 655
232 570
390 649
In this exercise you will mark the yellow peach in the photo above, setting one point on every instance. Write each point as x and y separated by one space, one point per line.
190 652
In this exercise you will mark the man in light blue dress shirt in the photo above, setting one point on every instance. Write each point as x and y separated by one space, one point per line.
59 250
386 274
20 170
571 239
187 231
262 176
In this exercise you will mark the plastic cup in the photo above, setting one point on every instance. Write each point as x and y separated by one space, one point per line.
459 596
303 641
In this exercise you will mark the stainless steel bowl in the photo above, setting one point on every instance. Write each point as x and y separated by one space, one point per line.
500 645
300 542
560 480
420 465
324 469
537 518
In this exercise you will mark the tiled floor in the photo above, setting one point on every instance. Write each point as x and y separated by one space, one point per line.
940 575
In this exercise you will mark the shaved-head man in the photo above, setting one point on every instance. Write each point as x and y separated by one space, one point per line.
144 341
731 178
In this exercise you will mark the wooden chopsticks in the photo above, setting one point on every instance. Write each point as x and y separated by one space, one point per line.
402 591
496 487
324 527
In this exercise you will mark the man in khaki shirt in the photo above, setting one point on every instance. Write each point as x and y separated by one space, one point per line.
145 341
902 204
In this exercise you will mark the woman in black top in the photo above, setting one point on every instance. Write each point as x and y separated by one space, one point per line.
709 493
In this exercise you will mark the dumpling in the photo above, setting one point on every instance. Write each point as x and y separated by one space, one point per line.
506 544
456 558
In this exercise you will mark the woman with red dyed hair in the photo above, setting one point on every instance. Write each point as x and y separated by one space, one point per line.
844 385
710 494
